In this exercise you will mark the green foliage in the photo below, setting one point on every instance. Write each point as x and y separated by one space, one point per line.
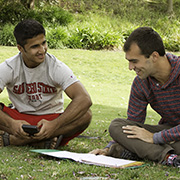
91 38
96 24
113 6
14 12
169 32
11 13
6 35
31 14
57 37
55 15
118 7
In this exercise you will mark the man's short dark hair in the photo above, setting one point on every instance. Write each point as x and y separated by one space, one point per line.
27 29
147 40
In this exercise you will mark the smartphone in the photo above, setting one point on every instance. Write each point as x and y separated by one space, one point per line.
30 129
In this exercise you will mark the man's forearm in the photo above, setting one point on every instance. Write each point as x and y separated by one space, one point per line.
76 109
75 119
5 120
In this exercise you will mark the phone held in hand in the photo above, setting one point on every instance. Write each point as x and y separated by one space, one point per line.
30 129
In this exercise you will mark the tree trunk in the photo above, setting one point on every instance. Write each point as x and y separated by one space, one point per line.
28 3
31 4
170 6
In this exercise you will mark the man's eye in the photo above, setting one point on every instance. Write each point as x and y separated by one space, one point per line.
133 61
44 42
35 46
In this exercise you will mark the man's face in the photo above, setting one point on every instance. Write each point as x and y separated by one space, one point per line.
34 51
139 63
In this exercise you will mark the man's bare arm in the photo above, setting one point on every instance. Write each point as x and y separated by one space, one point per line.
10 125
75 118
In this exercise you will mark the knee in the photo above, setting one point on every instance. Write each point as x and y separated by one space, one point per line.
116 123
116 126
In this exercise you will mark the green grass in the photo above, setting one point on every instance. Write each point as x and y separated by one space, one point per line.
106 76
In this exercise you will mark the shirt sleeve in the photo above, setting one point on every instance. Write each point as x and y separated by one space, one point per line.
167 135
138 101
64 76
5 75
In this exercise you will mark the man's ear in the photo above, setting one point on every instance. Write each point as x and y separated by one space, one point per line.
20 48
155 56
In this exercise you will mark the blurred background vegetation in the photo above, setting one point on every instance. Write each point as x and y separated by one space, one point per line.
92 24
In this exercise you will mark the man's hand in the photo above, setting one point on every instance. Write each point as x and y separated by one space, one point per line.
99 151
47 129
139 133
16 129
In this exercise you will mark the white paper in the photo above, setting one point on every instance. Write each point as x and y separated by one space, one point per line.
87 158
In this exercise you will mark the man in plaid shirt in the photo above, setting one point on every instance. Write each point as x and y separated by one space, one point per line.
157 83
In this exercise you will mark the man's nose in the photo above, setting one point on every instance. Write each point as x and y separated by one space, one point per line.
42 49
131 66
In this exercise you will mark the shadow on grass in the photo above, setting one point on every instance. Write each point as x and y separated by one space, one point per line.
97 134
103 115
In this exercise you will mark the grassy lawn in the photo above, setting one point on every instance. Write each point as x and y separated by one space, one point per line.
106 76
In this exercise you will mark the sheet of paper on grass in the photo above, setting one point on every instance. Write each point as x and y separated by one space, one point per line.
86 158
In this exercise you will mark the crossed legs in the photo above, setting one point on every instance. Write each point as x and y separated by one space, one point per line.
144 150
68 131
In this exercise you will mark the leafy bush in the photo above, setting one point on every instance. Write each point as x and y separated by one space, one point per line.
6 36
14 12
11 13
31 14
172 44
55 15
57 37
101 24
88 38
